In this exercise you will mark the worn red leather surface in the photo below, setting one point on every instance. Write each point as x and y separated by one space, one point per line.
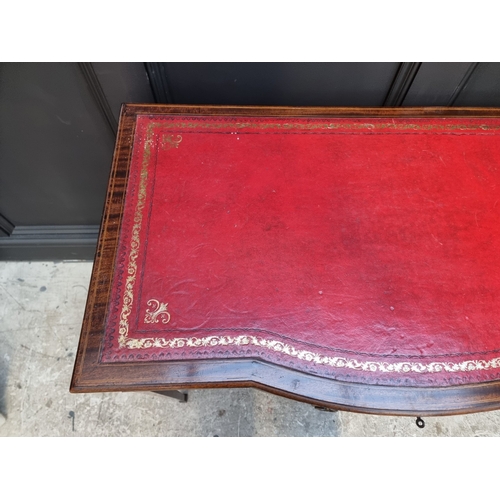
364 250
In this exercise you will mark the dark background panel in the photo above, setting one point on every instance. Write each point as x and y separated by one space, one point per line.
123 82
55 149
482 88
6 227
437 83
286 84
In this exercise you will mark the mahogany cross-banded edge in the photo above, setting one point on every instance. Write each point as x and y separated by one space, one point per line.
90 375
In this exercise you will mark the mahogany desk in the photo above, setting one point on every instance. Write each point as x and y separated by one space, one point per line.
346 257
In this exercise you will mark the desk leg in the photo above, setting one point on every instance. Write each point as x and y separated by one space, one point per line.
181 396
322 408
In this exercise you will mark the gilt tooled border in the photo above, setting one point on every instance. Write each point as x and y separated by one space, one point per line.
277 346
251 340
281 124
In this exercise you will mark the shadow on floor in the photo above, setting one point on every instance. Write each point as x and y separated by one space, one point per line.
4 372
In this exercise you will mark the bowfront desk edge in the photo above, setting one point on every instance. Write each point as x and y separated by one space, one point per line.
92 375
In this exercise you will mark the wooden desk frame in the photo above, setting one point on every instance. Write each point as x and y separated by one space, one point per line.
90 375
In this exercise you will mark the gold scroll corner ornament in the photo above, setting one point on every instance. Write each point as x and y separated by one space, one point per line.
169 141
157 312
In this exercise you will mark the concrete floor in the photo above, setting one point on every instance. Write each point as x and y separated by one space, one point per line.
41 309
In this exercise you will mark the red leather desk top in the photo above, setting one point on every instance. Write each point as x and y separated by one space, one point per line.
360 250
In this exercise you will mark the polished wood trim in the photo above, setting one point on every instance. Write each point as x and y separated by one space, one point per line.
361 398
313 111
92 376
87 358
